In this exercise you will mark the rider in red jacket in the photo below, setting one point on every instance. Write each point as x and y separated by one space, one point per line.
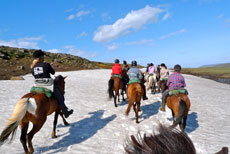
116 69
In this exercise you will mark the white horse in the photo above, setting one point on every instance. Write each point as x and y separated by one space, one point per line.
151 82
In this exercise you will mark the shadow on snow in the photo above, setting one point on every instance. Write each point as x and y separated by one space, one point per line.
79 132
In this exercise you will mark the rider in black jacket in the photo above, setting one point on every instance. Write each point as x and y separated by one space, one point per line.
41 72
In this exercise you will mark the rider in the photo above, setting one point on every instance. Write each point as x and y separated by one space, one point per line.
125 78
135 74
116 69
41 72
151 73
125 66
175 81
164 73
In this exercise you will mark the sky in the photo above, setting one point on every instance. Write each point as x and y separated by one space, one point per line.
187 32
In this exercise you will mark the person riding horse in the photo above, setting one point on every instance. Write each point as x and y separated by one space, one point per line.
151 73
41 72
175 81
125 78
135 75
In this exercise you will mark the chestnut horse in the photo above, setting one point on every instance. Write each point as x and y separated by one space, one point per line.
179 105
115 84
33 107
134 94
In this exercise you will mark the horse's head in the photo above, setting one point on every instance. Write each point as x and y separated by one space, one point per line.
59 82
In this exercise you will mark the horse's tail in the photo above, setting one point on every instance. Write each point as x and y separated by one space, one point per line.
110 89
12 125
181 114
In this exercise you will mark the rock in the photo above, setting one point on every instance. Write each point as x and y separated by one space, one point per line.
17 78
21 67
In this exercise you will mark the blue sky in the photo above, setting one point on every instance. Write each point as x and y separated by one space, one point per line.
187 32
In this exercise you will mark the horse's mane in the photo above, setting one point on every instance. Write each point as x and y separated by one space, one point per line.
168 141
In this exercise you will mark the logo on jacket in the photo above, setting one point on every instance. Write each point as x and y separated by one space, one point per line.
38 70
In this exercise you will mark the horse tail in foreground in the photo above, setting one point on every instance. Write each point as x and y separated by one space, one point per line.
181 114
12 125
110 89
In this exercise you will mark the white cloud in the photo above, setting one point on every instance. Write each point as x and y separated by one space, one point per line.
27 42
78 14
166 16
112 47
70 17
82 13
82 35
141 42
172 34
54 50
77 52
133 20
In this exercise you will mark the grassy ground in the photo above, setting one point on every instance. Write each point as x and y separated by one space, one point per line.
209 72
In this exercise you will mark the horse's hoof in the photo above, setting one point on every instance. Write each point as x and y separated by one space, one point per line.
66 124
162 109
54 136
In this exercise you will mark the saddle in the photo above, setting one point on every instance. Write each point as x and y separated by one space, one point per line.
178 91
116 75
134 81
43 90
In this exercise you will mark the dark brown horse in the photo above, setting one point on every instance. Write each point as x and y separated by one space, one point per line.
167 141
33 107
162 86
115 84
134 94
179 105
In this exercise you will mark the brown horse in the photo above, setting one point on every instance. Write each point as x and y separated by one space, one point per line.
134 94
162 86
33 107
179 105
115 84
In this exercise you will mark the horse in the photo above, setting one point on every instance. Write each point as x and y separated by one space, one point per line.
162 85
179 105
152 83
134 94
114 85
167 141
33 107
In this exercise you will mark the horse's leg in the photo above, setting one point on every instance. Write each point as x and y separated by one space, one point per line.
24 128
137 110
35 129
64 120
122 93
115 99
55 124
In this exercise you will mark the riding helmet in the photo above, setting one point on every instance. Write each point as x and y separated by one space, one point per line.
163 64
116 61
177 68
124 62
38 54
134 63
